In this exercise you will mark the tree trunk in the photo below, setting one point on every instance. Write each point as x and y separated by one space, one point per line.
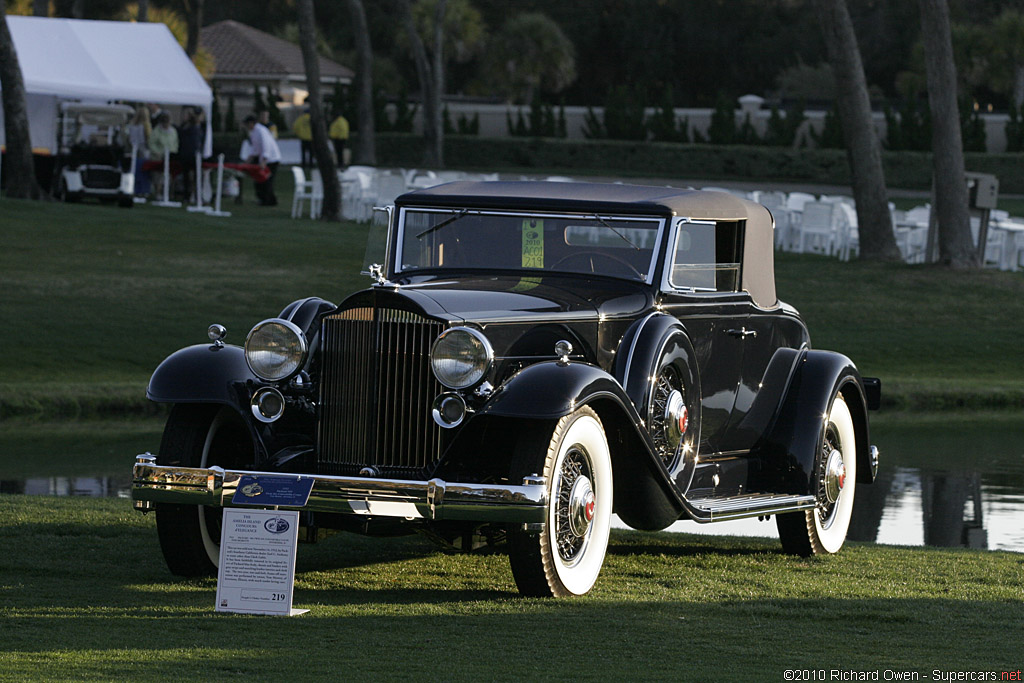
1018 86
366 146
956 247
41 8
430 85
20 173
194 16
438 90
321 146
863 149
78 9
143 14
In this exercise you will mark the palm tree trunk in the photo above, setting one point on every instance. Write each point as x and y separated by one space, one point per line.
194 15
143 14
955 244
321 146
863 149
366 143
20 173
433 131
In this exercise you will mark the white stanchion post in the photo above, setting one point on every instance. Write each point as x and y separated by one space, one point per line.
220 188
135 175
198 206
166 200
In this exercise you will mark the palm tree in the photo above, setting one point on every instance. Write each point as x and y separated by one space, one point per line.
863 148
956 247
321 147
431 76
366 144
20 176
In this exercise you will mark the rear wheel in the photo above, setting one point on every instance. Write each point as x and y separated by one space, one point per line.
198 436
822 531
565 558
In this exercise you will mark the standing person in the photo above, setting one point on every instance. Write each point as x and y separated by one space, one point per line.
266 153
164 138
338 133
138 136
190 139
303 130
264 118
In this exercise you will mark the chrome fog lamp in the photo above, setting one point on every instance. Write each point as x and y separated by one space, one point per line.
267 404
461 357
275 349
449 410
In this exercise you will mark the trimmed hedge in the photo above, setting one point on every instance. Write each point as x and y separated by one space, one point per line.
907 170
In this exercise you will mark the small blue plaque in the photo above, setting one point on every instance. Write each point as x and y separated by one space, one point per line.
273 490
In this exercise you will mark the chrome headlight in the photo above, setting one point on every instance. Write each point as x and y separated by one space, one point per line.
461 357
275 349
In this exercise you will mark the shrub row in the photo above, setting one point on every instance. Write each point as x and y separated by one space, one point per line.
906 170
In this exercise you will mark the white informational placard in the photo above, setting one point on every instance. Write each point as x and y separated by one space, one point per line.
257 562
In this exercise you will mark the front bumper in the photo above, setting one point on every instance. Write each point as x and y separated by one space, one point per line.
435 499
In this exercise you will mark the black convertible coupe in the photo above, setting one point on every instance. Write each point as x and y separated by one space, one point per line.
531 358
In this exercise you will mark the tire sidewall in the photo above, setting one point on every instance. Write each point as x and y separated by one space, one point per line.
831 539
584 432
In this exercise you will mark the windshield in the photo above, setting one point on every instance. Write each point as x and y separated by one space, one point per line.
468 239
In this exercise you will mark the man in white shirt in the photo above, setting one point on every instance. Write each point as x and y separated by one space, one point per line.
266 153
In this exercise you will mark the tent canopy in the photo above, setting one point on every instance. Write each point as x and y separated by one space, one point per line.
106 60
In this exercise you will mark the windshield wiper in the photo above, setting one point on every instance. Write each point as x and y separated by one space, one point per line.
620 235
443 223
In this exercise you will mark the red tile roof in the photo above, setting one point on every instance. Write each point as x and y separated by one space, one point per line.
241 50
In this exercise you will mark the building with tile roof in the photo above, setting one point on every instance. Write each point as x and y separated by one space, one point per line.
245 57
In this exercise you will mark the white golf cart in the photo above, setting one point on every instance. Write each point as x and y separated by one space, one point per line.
93 160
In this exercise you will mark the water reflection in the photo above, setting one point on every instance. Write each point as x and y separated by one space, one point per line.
950 482
91 487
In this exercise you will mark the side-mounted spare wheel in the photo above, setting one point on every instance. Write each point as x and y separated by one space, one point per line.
822 530
565 558
198 436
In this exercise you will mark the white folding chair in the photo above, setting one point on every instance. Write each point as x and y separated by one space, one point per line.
303 191
817 232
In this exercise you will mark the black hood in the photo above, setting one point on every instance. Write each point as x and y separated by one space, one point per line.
485 299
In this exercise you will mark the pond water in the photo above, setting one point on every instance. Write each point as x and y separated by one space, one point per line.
945 480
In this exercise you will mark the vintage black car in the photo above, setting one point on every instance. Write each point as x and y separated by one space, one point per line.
531 358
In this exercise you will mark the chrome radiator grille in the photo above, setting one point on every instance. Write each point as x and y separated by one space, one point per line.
376 391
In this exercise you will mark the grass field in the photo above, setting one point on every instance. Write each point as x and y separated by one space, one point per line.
95 296
84 595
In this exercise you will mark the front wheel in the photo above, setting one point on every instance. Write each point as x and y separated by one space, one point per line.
198 436
565 558
822 531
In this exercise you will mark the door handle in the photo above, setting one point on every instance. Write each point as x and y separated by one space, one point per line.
742 333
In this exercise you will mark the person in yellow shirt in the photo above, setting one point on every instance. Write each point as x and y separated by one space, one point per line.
338 132
304 132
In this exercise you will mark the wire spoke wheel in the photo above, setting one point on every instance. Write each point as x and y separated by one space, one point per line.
822 530
565 558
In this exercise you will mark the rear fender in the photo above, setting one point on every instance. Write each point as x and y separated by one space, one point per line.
790 447
645 497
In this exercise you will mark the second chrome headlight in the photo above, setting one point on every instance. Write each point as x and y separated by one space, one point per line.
461 357
275 349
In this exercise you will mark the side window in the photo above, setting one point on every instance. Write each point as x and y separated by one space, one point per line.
707 256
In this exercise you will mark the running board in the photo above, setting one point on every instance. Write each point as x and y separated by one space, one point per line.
706 510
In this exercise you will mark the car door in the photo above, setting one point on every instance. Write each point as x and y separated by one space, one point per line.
700 289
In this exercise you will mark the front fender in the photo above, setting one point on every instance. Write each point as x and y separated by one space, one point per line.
204 373
790 447
645 497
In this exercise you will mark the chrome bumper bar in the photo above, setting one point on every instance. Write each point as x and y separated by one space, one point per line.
433 499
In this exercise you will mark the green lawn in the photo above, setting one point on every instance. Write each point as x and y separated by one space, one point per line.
95 296
84 595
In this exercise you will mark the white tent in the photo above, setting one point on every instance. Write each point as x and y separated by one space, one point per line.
100 61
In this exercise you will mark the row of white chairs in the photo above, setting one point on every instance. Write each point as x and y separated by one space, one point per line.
364 187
